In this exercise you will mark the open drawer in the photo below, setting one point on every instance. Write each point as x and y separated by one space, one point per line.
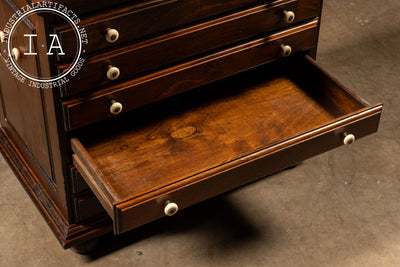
185 149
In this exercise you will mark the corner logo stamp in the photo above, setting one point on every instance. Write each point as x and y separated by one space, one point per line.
24 43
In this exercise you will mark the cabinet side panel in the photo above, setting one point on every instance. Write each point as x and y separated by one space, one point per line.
22 105
23 112
27 114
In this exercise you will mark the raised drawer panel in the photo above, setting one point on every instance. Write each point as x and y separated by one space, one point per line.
148 18
95 107
162 50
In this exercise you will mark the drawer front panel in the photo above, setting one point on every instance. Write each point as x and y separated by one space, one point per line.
96 107
146 19
178 45
86 207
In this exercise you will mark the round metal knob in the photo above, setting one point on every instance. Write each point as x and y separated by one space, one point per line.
348 139
286 50
112 73
16 54
289 16
2 37
112 35
171 209
116 108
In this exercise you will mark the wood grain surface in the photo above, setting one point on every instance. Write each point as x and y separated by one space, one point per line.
203 131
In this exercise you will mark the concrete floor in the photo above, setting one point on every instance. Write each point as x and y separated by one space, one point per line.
341 208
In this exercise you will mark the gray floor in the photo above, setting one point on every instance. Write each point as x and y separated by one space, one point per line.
338 209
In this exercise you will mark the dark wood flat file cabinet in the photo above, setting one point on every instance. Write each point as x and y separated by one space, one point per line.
177 101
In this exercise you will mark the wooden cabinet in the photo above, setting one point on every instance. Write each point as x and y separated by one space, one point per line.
177 102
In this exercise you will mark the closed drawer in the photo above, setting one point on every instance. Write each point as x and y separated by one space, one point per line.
84 202
146 89
144 19
86 207
169 48
78 184
217 138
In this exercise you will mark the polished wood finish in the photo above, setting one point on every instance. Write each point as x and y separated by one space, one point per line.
17 97
87 109
206 136
161 50
167 51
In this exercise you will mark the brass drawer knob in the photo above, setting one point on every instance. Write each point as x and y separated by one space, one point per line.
289 16
112 35
286 50
113 73
2 37
16 54
116 108
348 139
171 209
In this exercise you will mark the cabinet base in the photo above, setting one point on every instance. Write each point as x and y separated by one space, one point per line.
68 234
